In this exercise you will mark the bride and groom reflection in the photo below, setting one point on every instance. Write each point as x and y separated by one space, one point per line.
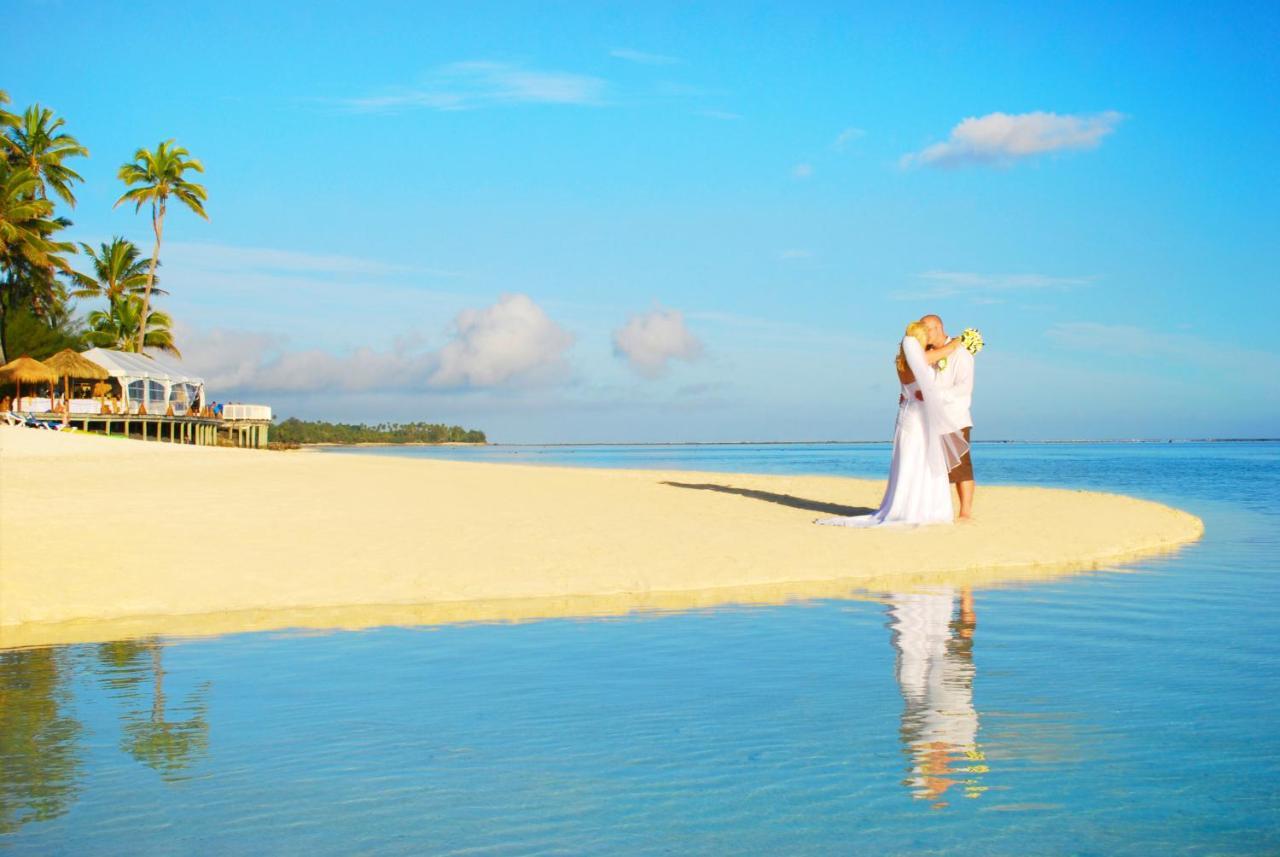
41 736
932 634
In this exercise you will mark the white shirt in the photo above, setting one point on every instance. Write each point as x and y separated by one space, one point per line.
955 387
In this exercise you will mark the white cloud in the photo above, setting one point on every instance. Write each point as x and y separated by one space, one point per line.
235 360
1249 366
1001 138
723 115
642 57
946 284
474 84
649 341
513 341
847 136
226 258
802 171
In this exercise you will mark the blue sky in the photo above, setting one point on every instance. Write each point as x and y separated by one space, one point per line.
570 222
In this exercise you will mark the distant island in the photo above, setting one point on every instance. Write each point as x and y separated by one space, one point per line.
294 431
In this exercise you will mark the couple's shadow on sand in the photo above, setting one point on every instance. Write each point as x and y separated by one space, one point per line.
780 499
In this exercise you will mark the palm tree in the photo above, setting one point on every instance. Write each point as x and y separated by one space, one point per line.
118 326
39 145
118 270
7 121
30 255
158 175
25 219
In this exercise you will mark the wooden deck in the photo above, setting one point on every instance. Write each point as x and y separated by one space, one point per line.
199 431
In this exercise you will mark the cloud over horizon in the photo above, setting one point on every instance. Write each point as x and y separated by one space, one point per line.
511 343
650 341
1002 138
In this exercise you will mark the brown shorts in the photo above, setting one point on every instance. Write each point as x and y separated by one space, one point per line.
963 471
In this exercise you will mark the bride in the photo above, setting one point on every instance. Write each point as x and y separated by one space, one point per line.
925 444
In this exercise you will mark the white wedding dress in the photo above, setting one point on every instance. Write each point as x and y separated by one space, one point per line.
925 448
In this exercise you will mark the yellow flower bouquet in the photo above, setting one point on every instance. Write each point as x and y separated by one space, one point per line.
971 339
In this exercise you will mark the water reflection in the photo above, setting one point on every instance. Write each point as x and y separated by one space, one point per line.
40 755
41 739
151 734
933 633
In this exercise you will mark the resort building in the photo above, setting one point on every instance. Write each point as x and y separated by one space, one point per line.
120 392
144 382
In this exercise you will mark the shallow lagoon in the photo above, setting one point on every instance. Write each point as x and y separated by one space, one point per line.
1124 711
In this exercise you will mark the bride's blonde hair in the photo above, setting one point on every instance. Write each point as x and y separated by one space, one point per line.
921 333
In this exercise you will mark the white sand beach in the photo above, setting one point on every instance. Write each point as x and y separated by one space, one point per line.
102 538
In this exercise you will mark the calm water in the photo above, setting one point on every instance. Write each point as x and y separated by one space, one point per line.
1109 713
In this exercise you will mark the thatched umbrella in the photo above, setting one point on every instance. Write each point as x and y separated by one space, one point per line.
26 369
69 364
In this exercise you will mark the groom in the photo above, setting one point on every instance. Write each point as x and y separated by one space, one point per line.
955 388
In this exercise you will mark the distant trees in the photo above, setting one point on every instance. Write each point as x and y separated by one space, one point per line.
294 430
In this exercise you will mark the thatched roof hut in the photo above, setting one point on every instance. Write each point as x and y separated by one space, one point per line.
70 364
24 370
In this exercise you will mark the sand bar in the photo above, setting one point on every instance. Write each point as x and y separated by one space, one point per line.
102 538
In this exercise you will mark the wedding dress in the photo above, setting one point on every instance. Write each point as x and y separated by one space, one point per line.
925 448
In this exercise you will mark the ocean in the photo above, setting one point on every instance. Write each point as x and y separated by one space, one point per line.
1123 711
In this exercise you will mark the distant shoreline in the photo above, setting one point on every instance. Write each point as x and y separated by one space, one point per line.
394 443
831 442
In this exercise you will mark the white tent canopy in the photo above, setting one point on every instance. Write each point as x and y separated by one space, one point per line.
159 382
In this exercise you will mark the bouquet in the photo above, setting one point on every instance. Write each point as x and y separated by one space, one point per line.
970 340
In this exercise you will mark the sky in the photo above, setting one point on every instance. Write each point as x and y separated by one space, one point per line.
573 222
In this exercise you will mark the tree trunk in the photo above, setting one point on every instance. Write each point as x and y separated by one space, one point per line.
157 685
6 288
157 223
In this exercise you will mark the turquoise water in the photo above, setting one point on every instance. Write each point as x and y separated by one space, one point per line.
1120 712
